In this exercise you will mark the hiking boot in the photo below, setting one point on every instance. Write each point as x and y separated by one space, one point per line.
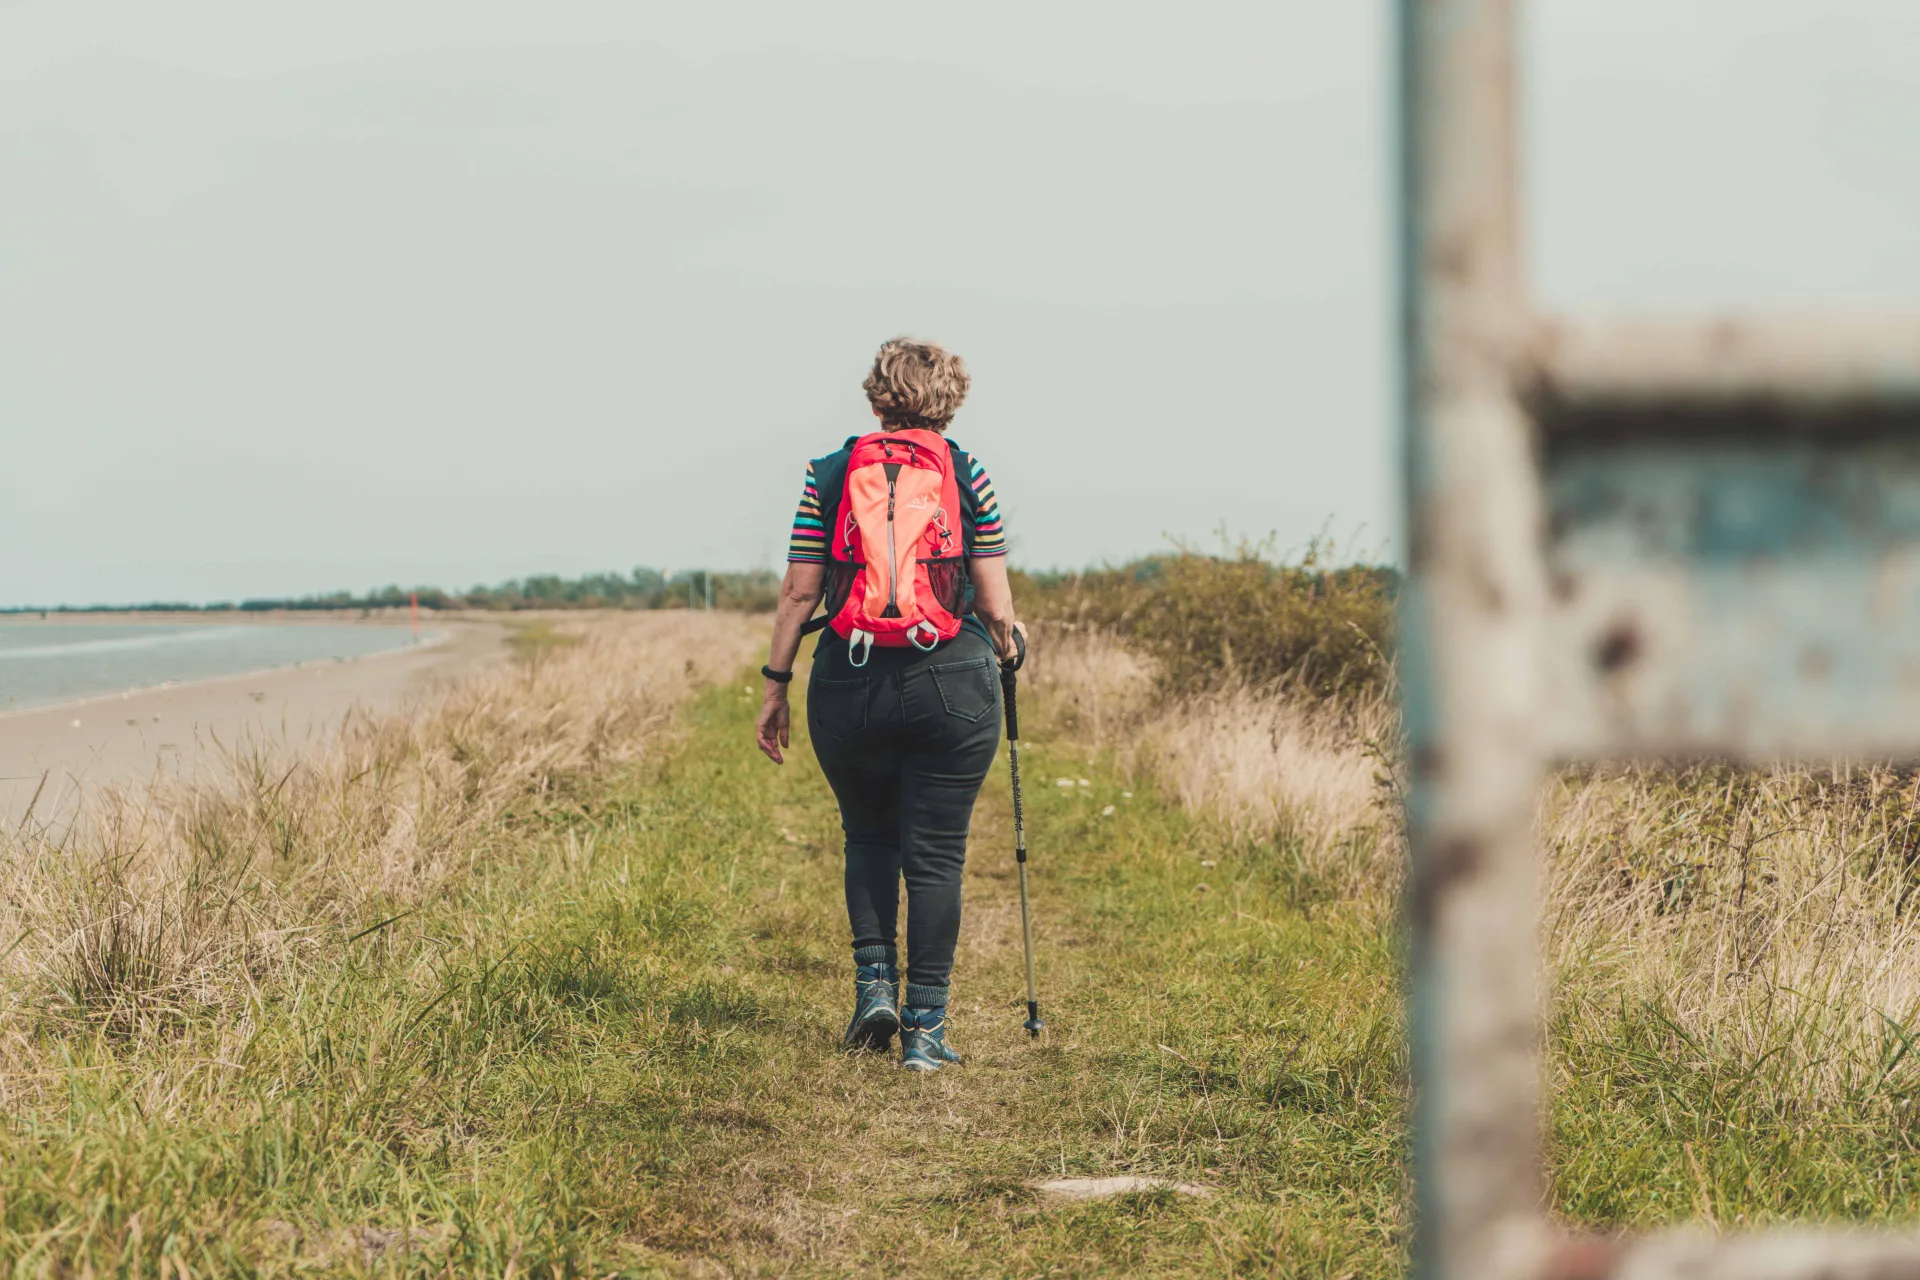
923 1031
876 1005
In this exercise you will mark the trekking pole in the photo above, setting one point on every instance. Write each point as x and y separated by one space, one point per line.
1007 680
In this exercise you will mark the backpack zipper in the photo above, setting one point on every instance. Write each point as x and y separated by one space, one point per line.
893 558
893 554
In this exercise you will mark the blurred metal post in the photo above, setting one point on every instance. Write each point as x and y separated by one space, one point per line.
1645 540
1471 622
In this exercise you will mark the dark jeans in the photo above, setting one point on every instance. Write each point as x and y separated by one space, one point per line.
905 742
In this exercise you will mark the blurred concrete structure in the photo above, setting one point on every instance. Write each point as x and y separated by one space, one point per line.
1654 538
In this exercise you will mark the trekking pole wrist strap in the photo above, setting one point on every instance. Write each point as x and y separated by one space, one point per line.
1018 658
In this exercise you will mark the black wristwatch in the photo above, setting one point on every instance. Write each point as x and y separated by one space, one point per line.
778 677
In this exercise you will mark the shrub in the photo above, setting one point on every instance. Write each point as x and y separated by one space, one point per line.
1236 619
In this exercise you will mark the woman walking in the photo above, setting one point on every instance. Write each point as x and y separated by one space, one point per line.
899 531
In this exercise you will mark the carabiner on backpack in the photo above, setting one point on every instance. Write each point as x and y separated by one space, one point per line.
854 643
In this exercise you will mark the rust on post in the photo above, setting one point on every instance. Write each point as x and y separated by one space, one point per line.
1581 1258
1735 536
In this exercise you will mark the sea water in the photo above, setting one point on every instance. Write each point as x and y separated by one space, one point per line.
58 661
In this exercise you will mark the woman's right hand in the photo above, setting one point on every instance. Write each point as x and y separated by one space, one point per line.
1003 639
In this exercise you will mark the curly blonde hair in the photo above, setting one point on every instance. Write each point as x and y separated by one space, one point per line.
916 384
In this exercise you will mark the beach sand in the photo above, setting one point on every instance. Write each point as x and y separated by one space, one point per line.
61 752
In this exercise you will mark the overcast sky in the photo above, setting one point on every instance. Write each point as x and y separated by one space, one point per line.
304 296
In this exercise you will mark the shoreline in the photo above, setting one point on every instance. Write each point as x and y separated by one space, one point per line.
54 755
248 617
135 690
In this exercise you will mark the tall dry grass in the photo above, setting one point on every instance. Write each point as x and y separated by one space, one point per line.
1764 918
1268 763
1761 921
180 902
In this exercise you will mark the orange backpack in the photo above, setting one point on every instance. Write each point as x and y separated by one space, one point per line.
897 563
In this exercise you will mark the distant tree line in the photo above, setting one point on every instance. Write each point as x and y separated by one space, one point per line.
755 591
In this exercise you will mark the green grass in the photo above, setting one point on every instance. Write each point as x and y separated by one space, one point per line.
533 638
612 1049
1653 1126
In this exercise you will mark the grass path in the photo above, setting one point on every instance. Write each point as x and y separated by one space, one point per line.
612 1049
1172 1050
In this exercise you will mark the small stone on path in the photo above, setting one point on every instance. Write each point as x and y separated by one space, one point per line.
1102 1188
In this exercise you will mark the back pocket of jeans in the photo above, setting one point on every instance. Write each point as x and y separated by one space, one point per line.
836 708
966 688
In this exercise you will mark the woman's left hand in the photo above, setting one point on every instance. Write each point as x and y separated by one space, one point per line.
770 731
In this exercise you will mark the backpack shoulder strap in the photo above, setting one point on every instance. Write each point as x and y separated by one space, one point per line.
830 477
830 484
969 516
963 480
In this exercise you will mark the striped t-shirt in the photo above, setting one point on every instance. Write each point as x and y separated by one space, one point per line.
985 534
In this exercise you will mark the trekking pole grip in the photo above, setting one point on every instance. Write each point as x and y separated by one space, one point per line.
1008 666
1007 679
